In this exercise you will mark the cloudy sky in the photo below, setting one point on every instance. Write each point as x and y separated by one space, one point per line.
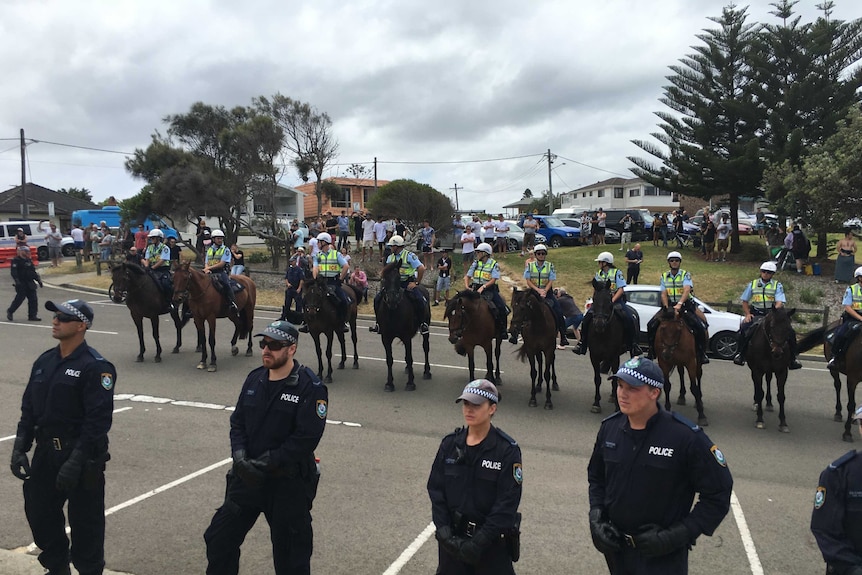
419 85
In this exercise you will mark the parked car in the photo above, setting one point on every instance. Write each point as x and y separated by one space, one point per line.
744 229
723 326
854 223
35 231
557 233
515 238
611 235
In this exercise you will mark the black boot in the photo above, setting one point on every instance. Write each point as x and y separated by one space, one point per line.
739 358
513 339
794 364
564 341
374 328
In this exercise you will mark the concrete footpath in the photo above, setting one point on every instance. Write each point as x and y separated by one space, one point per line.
18 562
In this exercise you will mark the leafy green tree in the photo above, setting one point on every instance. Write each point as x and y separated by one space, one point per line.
80 193
540 205
413 203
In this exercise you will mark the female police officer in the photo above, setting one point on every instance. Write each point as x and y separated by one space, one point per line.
475 489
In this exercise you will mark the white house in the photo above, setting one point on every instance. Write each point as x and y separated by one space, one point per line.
619 194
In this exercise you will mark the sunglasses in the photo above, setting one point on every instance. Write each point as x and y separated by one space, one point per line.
273 345
767 272
65 317
541 253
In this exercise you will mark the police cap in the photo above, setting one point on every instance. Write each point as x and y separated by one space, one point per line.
640 371
479 391
74 307
280 331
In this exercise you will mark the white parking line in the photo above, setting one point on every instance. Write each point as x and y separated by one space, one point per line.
745 534
115 411
411 550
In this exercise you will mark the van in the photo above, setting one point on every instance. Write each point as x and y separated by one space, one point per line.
35 231
638 228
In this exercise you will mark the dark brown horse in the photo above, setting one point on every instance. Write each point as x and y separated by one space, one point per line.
607 340
675 348
321 316
850 364
396 319
534 319
471 324
207 303
144 298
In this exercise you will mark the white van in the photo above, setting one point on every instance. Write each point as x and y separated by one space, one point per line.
35 231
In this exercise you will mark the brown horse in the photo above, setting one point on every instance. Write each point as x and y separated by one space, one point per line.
471 324
675 348
321 316
132 284
207 303
850 364
534 319
607 340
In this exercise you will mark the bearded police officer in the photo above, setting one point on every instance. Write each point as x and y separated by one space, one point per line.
836 521
278 422
67 409
646 467
475 489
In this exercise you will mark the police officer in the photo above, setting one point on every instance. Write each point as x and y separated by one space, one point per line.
67 409
540 276
482 277
279 419
293 278
331 264
646 467
676 291
475 489
757 299
607 272
852 316
411 271
25 277
836 521
157 259
217 262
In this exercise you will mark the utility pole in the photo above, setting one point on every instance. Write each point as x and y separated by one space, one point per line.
456 195
551 158
375 173
25 209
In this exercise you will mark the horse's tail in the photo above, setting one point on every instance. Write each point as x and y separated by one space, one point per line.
811 339
521 353
244 324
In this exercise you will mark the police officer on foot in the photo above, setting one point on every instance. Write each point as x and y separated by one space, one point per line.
411 271
843 334
331 264
482 278
217 262
26 278
475 489
757 299
540 276
279 419
67 409
836 521
676 291
646 467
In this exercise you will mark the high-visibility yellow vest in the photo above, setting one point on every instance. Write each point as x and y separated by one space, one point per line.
610 275
673 285
215 253
482 273
536 274
154 253
856 292
765 297
327 264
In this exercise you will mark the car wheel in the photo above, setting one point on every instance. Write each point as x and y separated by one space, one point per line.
68 250
724 345
512 245
556 242
42 253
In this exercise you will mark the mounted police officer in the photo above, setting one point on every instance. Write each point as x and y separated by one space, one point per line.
641 524
677 289
482 278
411 271
26 278
157 259
757 299
540 276
331 264
475 490
278 422
607 272
836 520
851 321
217 262
67 409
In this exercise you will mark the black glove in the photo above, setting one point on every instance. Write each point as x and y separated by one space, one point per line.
70 472
20 463
606 537
655 541
472 548
245 470
263 461
448 541
39 281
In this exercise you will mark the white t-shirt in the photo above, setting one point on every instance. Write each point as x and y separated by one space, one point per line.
603 219
487 230
380 231
368 230
469 246
477 228
312 243
501 229
77 234
723 231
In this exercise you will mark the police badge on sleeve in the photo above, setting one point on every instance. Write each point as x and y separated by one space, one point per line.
819 497
321 408
107 380
518 473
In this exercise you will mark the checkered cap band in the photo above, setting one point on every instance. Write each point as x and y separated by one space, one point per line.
640 377
481 392
278 334
67 308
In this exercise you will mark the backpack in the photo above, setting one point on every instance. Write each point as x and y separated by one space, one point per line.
801 243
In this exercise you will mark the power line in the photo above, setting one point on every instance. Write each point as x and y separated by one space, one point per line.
460 161
594 167
81 147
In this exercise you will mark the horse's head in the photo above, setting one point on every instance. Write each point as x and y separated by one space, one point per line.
390 283
519 307
603 305
182 280
125 275
314 296
778 329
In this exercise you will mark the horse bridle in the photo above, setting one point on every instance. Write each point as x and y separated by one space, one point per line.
459 330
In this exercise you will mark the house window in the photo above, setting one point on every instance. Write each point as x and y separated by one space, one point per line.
618 193
649 191
601 193
342 201
367 194
591 194
634 192
664 193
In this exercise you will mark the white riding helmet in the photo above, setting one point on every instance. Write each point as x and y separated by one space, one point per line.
858 272
674 255
540 248
606 257
768 267
217 234
324 237
395 241
156 233
485 247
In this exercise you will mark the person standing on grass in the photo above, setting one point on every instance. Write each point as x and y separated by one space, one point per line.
501 236
444 277
634 259
468 247
723 234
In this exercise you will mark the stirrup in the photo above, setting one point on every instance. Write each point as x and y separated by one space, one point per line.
346 328
303 327
704 359
564 340
374 328
738 359
580 349
423 328
831 363
794 364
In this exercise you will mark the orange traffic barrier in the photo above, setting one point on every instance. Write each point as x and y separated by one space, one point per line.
8 254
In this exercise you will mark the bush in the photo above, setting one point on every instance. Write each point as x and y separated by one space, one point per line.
810 295
258 257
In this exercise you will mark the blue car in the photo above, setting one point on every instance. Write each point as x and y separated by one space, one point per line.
557 233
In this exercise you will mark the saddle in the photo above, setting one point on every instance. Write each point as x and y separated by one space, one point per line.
235 286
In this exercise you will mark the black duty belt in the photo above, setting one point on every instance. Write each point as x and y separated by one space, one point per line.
58 438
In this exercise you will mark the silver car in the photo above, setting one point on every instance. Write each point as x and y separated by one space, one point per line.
515 238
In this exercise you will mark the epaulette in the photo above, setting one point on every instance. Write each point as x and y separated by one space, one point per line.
693 426
613 415
456 432
314 379
506 436
96 355
842 460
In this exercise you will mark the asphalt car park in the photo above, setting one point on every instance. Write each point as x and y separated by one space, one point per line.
170 451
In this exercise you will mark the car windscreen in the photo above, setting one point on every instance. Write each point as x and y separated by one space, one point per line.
554 222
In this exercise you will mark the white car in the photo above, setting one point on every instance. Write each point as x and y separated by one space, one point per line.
723 326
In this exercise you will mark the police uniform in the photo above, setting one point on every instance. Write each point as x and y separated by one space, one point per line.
630 474
476 490
836 521
761 297
480 273
329 265
541 276
26 277
279 422
674 286
841 336
160 252
409 263
67 409
618 282
216 254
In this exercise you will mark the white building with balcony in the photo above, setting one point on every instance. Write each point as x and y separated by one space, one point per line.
619 194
